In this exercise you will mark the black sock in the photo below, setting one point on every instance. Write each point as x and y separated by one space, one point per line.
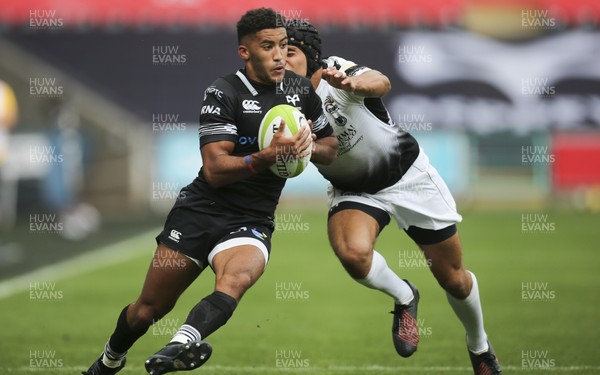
211 313
122 338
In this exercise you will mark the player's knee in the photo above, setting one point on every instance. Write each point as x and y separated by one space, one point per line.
237 283
456 285
355 259
144 315
353 253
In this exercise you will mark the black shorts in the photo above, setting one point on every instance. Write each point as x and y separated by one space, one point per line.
420 236
199 228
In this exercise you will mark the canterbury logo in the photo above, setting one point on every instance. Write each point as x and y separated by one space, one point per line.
175 235
251 105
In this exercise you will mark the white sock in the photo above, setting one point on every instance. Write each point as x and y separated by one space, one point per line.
110 358
469 312
185 334
111 363
382 278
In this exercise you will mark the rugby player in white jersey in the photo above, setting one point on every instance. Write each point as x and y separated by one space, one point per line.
380 172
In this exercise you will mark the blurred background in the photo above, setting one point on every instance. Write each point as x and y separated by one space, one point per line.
99 105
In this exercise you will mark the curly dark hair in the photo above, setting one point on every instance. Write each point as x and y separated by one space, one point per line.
258 19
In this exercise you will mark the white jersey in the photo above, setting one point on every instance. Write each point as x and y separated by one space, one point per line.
373 152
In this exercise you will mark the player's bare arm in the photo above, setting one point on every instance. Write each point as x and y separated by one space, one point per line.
324 150
371 83
221 168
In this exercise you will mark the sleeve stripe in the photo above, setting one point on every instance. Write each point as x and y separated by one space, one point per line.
217 129
320 123
357 70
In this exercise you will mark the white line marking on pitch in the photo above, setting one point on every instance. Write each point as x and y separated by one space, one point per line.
90 261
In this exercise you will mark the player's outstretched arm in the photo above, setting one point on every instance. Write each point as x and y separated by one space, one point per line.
371 83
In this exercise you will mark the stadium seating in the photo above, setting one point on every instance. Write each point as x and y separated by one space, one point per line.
194 13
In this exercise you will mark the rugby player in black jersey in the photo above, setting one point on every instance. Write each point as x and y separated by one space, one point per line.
380 172
224 218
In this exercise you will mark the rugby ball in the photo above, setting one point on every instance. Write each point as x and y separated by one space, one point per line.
286 166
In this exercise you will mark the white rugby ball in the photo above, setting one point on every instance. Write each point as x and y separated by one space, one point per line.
286 166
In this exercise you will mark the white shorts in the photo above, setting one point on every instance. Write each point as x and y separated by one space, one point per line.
420 199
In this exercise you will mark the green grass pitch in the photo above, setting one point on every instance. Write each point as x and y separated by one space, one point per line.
539 290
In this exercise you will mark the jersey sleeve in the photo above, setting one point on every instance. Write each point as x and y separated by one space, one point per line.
217 116
314 112
346 66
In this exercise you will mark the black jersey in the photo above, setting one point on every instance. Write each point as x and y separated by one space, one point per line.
233 109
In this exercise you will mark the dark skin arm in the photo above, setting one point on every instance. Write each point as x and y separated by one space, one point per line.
222 168
372 83
324 150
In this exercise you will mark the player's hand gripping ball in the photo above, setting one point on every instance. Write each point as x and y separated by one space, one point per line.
286 166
